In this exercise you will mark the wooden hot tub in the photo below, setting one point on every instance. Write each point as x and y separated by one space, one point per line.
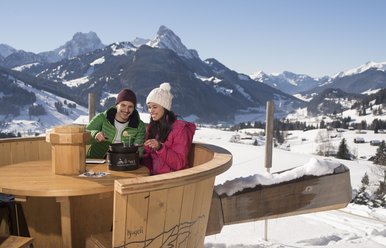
65 210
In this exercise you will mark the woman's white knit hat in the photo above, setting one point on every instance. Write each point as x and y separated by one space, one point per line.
161 96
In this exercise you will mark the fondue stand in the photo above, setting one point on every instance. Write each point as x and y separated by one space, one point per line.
61 208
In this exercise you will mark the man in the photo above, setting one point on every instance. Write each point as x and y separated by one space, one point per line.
118 124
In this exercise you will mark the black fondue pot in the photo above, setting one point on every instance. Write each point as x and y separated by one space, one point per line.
122 157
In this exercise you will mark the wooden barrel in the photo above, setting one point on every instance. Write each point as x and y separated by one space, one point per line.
168 210
68 149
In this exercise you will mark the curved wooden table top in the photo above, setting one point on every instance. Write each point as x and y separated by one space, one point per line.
36 178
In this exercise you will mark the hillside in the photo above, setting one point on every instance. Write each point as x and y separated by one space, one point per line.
27 125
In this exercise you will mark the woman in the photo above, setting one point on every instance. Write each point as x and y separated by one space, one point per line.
168 140
119 124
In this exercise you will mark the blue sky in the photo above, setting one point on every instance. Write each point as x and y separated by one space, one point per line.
303 36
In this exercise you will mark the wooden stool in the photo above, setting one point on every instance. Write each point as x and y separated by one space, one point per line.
15 242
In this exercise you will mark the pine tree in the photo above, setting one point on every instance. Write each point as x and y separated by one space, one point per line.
380 195
380 156
362 197
365 180
343 152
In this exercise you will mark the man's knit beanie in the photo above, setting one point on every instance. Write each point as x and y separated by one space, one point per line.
126 95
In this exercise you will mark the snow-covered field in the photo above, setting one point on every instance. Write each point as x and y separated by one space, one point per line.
353 226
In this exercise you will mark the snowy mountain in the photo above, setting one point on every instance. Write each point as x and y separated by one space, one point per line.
360 80
81 43
21 57
6 50
360 69
167 39
212 94
332 101
288 82
370 76
139 41
215 93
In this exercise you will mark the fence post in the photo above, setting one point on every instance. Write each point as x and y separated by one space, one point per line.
268 148
91 106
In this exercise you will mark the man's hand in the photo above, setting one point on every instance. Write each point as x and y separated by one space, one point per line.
100 137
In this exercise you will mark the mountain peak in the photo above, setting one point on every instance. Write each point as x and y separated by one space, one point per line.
6 50
368 65
167 39
163 29
90 35
80 43
139 41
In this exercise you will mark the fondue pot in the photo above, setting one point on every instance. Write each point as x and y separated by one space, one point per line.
122 157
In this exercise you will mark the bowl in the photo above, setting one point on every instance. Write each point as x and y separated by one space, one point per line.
122 161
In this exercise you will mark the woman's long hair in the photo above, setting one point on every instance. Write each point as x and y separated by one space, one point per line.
160 129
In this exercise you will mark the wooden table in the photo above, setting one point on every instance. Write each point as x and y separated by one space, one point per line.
62 211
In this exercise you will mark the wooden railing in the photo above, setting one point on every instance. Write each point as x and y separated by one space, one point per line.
17 150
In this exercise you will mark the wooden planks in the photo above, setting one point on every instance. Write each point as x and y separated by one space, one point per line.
15 242
5 154
168 210
300 196
17 150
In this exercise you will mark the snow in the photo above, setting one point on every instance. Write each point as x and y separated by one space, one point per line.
214 80
23 67
121 51
313 167
76 82
353 226
362 68
26 125
371 91
98 61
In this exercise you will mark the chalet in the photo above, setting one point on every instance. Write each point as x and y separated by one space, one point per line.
375 142
359 140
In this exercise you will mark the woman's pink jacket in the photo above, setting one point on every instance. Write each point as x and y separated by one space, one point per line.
173 155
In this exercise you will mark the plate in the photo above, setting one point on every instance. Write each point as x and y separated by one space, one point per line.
95 161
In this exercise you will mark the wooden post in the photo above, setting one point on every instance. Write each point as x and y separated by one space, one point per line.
91 106
68 149
269 135
268 148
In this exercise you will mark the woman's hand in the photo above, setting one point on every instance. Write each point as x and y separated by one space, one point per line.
153 144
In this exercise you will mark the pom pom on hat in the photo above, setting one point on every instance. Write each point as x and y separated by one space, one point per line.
161 96
126 95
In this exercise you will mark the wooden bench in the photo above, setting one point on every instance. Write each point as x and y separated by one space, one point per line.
168 210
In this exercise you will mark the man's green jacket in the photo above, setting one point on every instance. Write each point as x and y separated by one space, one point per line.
133 133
